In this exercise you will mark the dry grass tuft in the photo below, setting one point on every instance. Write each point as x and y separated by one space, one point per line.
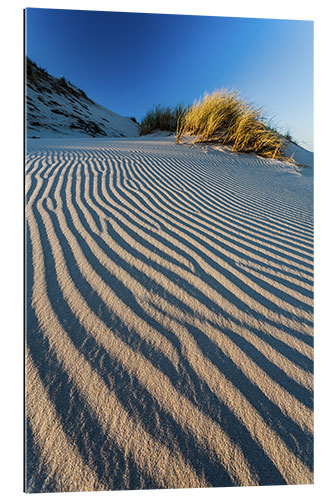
224 117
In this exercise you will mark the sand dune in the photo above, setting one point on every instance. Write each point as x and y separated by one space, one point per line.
169 317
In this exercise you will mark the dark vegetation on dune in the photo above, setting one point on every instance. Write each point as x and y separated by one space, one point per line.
39 80
37 75
42 93
162 118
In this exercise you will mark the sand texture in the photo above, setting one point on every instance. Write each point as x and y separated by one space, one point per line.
169 317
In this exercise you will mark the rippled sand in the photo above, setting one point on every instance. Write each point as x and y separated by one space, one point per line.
169 317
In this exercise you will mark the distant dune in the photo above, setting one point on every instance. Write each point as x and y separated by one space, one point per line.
57 108
169 316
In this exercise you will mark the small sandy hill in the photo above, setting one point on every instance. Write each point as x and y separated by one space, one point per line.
56 108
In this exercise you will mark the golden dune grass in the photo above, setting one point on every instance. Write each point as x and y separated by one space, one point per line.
226 118
169 324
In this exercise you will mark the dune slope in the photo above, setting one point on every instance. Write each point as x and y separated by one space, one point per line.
57 108
169 317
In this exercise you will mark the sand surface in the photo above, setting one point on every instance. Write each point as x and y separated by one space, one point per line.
169 317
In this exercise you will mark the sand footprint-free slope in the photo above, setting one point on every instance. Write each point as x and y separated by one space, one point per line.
169 317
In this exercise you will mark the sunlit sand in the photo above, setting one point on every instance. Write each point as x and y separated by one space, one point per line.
169 316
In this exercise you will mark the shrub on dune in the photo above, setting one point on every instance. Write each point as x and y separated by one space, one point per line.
161 118
224 117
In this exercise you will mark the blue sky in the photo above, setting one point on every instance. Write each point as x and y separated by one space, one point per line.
129 62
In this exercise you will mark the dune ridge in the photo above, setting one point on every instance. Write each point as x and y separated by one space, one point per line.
169 317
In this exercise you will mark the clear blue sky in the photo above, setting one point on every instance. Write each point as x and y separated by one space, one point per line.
129 62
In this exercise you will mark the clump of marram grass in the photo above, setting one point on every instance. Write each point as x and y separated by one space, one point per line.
225 118
161 118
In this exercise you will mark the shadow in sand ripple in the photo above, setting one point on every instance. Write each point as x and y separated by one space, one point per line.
169 317
297 440
142 406
77 421
109 462
292 354
37 479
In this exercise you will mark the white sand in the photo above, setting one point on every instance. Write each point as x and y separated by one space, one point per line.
169 306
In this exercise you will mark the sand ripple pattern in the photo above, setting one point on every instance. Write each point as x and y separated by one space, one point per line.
169 317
